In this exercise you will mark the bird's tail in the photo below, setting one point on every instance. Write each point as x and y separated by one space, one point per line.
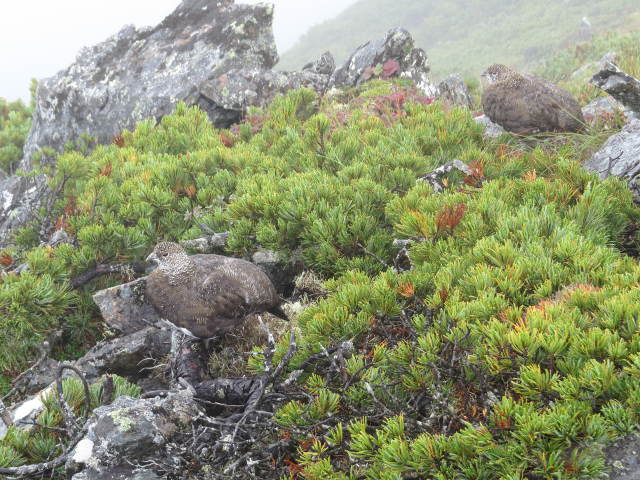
278 312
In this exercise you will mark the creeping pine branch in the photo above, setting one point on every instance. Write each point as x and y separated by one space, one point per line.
38 469
69 418
108 269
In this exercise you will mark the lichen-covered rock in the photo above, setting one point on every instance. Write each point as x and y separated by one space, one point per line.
143 73
620 156
134 75
623 458
620 85
454 91
131 429
19 197
370 59
588 69
227 97
125 308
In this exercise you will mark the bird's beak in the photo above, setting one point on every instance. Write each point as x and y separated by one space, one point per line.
153 258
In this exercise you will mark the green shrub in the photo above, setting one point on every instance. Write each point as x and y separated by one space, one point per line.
15 122
42 443
510 345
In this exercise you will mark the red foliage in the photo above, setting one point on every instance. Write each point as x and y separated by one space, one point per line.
474 179
294 468
389 68
190 190
449 218
70 207
392 107
255 121
6 260
62 224
406 289
227 140
106 171
118 141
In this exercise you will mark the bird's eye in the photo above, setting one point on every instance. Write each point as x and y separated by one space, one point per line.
165 254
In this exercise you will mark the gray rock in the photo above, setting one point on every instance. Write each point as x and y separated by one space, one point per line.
592 67
454 91
397 45
125 308
125 355
19 197
325 65
142 73
601 107
620 156
134 75
623 458
620 85
129 430
236 90
490 129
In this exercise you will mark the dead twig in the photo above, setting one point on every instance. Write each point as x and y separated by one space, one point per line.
68 415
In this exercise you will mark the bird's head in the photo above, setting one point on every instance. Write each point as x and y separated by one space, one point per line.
168 254
495 73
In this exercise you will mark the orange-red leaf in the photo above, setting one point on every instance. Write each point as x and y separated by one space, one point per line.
6 259
406 289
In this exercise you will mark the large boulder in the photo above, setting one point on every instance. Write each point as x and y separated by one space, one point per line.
142 73
134 75
620 156
232 92
393 55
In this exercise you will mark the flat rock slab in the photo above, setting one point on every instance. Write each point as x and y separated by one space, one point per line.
125 308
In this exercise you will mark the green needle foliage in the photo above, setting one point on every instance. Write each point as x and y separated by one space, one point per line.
510 345
15 122
42 442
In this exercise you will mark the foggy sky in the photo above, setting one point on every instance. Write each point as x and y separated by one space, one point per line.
41 37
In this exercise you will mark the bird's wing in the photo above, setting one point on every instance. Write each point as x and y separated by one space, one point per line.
223 295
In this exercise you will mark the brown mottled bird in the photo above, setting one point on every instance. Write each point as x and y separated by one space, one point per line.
207 295
526 104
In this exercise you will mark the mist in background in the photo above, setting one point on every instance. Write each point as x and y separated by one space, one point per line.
38 38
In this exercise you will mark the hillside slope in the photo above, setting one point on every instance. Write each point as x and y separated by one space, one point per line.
466 35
